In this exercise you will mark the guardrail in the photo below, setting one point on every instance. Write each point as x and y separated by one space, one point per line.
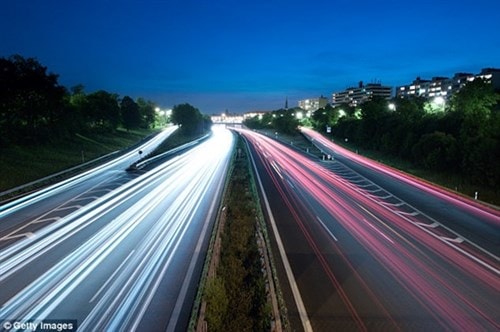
151 160
47 180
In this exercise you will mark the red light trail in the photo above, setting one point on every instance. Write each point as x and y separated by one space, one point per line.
442 270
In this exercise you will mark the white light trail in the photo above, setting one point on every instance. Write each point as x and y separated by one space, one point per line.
152 214
122 161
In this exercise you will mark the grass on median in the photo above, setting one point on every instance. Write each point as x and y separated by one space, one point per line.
236 291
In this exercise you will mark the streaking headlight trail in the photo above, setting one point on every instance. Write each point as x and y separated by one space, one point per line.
122 249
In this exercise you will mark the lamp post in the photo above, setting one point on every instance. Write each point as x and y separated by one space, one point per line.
439 102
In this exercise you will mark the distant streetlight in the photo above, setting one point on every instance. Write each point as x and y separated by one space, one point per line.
437 104
163 113
392 106
439 101
167 113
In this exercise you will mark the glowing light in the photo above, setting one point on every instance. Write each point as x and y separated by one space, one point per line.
439 101
382 226
144 223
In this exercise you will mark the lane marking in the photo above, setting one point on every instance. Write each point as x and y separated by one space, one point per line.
326 228
46 220
413 214
99 291
433 225
61 207
425 227
378 231
276 168
456 240
14 236
306 323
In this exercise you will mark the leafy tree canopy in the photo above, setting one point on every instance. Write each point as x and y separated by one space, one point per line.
147 111
103 110
34 108
474 103
326 116
187 117
286 122
31 100
131 116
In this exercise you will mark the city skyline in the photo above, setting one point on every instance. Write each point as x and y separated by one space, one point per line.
242 57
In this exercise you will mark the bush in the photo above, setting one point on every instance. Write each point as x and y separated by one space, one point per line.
436 151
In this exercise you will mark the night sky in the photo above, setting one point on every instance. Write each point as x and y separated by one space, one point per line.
249 55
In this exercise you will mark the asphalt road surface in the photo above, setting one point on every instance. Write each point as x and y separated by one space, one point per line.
364 247
123 256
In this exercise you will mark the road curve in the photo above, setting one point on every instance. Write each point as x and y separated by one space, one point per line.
128 260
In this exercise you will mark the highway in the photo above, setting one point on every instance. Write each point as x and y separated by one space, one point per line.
123 253
64 197
363 247
450 210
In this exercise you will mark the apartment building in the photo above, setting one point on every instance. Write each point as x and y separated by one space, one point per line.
445 87
313 104
355 96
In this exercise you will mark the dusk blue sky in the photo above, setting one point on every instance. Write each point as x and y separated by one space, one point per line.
249 55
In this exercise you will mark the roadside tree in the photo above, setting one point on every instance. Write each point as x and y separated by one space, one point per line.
31 101
188 118
147 113
130 114
103 111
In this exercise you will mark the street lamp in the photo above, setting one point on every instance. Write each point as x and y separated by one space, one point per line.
439 101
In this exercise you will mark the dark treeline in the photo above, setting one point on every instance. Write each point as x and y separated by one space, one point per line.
283 121
190 120
461 137
35 108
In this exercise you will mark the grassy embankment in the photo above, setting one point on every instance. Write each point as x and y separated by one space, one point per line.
21 165
176 139
453 182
